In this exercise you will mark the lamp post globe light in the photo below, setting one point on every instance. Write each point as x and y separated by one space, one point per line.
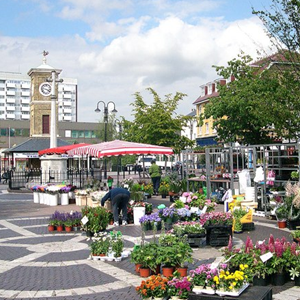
105 115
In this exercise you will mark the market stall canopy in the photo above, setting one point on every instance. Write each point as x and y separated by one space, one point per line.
61 150
117 147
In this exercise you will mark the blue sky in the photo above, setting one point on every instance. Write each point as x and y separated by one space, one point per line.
118 47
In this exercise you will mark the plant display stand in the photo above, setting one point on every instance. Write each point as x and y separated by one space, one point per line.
217 236
254 292
248 226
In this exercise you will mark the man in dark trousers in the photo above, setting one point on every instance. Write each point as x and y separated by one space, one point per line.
119 199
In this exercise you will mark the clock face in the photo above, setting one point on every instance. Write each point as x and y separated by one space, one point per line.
45 89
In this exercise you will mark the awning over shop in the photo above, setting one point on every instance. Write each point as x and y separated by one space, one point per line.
61 150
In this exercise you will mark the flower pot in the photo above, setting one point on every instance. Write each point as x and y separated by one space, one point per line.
68 228
182 271
279 279
76 228
281 224
138 212
297 281
164 196
137 267
167 271
64 199
59 228
174 297
111 222
89 233
259 281
145 272
51 228
158 298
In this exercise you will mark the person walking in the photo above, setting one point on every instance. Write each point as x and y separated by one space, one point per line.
119 200
155 174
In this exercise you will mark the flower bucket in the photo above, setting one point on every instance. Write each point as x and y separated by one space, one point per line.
36 197
138 212
53 199
64 199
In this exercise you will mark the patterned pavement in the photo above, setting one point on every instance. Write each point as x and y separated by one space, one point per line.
36 264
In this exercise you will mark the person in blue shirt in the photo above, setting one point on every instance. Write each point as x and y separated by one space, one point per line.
119 200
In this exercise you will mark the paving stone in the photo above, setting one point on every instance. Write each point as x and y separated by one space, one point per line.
7 233
65 256
43 239
11 253
51 278
30 221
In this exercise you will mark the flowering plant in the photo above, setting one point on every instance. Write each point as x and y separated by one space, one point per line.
154 217
164 188
100 243
53 189
65 189
148 188
198 200
81 192
127 182
168 213
179 287
134 203
181 228
231 281
154 286
204 276
97 195
216 218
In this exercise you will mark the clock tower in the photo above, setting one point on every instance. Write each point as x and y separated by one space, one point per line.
41 95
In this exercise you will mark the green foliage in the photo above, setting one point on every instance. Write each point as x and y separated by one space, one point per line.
98 218
157 123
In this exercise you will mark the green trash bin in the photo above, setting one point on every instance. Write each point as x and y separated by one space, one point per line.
110 181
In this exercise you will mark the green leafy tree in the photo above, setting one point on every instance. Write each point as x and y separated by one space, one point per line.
257 106
157 123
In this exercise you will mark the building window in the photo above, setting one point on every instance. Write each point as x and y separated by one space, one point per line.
46 127
206 128
68 133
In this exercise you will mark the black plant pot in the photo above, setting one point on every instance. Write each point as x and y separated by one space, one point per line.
279 279
258 281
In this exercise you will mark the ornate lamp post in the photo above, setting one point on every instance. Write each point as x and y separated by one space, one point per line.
105 114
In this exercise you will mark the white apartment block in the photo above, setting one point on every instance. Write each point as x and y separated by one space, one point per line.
15 98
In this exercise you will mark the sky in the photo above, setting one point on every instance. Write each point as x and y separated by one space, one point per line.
115 48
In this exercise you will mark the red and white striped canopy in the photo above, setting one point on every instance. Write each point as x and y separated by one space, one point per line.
61 149
117 147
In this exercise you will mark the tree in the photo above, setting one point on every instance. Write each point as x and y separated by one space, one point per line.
255 106
282 23
157 123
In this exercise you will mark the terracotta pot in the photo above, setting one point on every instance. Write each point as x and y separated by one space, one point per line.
111 222
51 228
68 228
182 271
102 254
137 267
281 224
167 271
145 272
59 228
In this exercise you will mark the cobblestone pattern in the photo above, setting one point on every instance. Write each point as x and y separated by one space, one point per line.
124 294
7 233
53 278
44 239
64 256
29 222
12 253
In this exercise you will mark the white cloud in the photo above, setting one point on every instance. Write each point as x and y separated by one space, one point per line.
173 55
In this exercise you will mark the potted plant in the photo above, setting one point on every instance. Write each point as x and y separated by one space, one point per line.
68 223
136 257
183 255
238 213
100 245
281 213
179 287
117 244
148 259
96 219
155 286
164 189
296 235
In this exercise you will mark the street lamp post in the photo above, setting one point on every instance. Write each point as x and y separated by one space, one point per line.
105 114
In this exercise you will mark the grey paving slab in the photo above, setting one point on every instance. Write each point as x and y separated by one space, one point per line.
7 233
64 256
53 278
43 239
30 221
11 253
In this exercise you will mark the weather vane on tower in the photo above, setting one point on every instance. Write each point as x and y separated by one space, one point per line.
45 53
